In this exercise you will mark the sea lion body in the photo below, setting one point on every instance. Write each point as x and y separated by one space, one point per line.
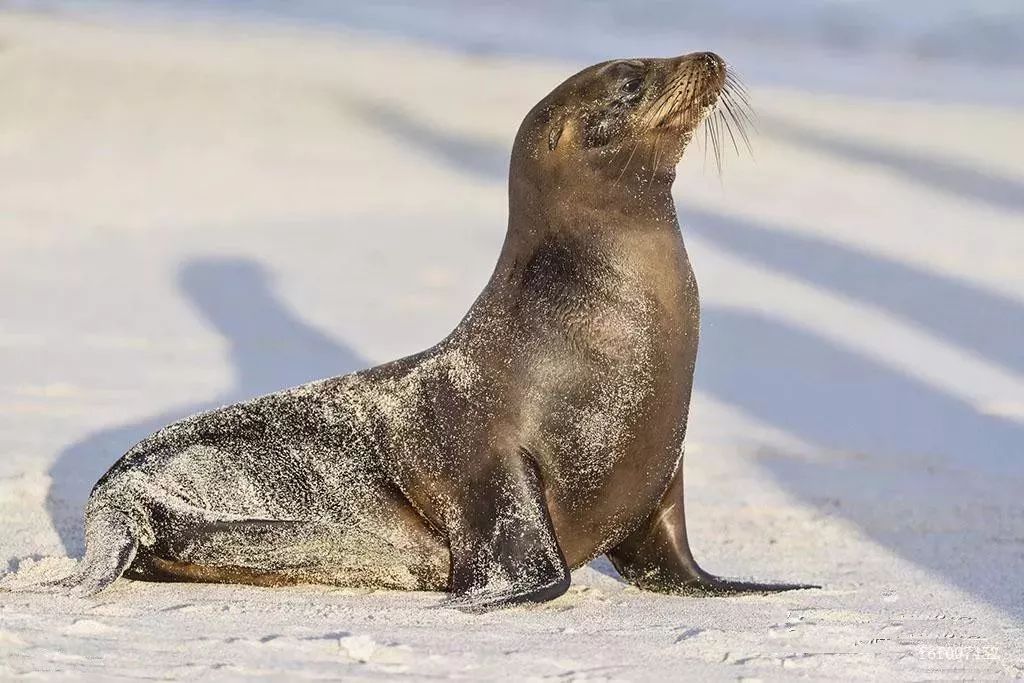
545 430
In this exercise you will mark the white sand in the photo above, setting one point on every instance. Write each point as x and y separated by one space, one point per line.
190 215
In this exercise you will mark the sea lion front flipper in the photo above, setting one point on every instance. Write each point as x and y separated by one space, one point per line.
503 546
656 556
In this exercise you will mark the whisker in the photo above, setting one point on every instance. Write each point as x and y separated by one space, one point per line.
704 167
741 125
716 142
628 161
728 129
728 114
736 88
733 78
657 140
721 146
657 155
741 109
673 88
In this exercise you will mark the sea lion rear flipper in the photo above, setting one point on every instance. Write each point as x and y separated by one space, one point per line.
111 546
503 546
656 556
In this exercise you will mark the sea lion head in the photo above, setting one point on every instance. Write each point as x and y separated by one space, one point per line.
622 126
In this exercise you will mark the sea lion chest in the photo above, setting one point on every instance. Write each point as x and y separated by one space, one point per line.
607 373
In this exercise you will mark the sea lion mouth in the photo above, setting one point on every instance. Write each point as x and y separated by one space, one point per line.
703 89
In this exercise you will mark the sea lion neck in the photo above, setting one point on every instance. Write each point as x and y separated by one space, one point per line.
615 223
573 206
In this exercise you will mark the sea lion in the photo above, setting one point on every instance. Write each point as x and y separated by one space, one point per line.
545 430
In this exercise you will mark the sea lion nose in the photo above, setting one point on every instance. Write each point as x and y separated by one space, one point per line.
709 58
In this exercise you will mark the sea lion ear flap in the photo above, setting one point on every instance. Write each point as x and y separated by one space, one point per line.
554 134
559 121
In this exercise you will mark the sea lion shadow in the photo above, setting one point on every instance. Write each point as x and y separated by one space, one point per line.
269 348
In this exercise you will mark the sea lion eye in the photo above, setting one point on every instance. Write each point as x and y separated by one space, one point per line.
632 86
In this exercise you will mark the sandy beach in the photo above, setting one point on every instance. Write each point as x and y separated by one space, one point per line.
198 212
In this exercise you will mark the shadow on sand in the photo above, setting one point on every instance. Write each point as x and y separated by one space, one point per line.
943 175
269 348
919 471
977 320
925 469
479 159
